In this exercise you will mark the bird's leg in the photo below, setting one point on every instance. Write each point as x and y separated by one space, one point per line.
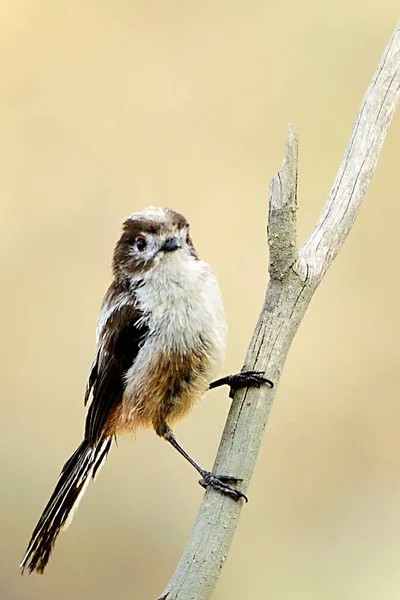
242 379
218 482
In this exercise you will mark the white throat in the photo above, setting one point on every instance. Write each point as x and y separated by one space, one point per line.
180 301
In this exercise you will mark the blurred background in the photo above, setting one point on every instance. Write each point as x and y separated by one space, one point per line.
107 107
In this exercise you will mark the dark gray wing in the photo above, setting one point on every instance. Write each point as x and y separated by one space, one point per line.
119 345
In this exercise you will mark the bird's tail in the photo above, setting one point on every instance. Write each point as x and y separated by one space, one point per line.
75 476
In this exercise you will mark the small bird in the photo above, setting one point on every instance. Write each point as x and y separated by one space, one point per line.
161 336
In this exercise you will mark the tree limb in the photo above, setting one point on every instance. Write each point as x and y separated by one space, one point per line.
281 229
294 278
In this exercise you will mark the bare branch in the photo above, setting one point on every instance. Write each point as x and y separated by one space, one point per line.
282 212
288 294
357 166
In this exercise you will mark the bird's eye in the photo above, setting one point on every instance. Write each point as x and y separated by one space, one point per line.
141 243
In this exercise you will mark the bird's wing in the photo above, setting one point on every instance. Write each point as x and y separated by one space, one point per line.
119 343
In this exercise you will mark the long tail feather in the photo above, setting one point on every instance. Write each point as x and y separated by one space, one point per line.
75 476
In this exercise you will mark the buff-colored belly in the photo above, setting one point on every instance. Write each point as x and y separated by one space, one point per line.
162 391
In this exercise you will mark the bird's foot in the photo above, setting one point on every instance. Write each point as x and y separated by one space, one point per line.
221 484
248 379
242 379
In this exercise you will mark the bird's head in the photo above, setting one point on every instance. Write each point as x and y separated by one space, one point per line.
150 238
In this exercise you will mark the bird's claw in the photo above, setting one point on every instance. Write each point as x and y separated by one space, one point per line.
248 378
221 484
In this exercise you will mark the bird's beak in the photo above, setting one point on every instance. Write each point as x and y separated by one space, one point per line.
171 244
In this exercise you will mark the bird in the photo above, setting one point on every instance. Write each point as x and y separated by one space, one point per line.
160 340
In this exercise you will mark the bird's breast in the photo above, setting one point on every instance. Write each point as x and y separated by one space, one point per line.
182 308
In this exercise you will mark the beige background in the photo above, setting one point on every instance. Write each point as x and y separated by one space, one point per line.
106 107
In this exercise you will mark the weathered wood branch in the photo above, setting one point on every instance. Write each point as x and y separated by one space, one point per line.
295 276
282 224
